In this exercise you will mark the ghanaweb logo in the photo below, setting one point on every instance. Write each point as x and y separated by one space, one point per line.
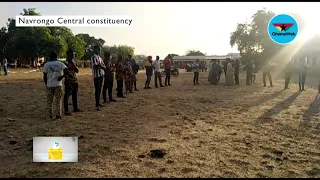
283 29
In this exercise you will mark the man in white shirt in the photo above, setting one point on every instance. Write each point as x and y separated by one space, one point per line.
98 67
157 74
52 75
5 66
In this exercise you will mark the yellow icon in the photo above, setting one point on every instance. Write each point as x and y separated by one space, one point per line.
55 154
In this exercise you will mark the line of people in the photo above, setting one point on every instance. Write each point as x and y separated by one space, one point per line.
103 77
231 69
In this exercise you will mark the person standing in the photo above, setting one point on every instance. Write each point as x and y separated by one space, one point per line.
266 71
71 84
5 65
254 72
219 70
215 72
98 67
249 68
302 73
196 69
157 73
119 77
149 72
236 72
52 76
108 78
128 75
209 68
225 66
229 75
135 69
167 67
288 74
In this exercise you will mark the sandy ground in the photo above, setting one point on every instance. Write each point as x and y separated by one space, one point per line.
205 130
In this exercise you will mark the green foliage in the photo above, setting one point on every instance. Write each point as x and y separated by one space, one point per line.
194 53
115 51
254 43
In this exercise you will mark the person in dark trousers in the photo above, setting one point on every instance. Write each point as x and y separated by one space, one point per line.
157 73
120 76
236 72
135 69
267 72
302 73
98 67
288 74
167 68
249 73
108 78
196 69
71 84
219 70
216 70
149 72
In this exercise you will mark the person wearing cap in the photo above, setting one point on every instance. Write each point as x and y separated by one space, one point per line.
108 78
97 67
149 72
71 84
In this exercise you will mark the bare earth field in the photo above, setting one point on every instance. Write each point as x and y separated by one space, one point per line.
205 130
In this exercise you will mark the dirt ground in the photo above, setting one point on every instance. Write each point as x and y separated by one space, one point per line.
205 130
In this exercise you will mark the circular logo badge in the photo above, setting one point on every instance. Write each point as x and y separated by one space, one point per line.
283 29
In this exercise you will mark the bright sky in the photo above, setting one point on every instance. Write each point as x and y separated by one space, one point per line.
160 28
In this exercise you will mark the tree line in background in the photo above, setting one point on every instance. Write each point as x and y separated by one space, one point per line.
254 43
251 38
30 43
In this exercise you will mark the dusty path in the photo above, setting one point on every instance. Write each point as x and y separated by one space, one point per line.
206 130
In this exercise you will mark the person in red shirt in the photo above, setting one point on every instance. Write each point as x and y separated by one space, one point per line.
167 69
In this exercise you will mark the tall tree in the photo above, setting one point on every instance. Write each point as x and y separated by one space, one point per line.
253 41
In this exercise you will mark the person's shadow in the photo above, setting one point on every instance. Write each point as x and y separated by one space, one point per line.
313 110
266 117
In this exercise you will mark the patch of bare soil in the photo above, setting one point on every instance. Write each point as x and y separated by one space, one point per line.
177 131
